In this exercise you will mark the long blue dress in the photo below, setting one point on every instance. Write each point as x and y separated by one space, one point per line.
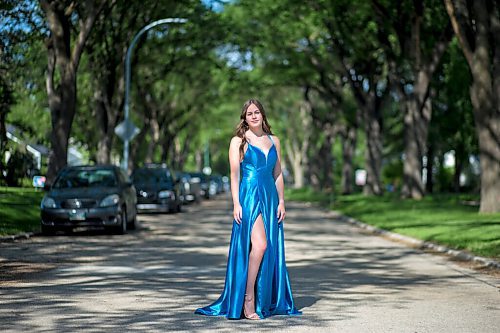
258 195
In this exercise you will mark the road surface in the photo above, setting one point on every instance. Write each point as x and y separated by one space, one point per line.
153 278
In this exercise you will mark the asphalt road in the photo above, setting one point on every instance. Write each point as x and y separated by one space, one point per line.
152 279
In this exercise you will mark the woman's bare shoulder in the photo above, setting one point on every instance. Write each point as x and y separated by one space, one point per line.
275 139
236 140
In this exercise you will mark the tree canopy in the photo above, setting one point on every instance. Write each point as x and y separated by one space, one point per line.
386 87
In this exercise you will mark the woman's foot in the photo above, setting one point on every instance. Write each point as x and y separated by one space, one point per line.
249 308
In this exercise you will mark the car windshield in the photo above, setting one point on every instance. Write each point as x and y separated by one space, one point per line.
151 176
86 178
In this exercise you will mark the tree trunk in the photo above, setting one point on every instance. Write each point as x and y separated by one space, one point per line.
183 153
373 154
314 175
294 155
4 110
456 174
418 111
104 148
297 148
487 119
429 184
64 58
62 109
109 98
320 170
154 137
297 155
104 141
137 145
370 105
3 143
326 160
416 121
199 159
477 28
178 154
348 150
298 174
106 63
486 104
423 62
167 148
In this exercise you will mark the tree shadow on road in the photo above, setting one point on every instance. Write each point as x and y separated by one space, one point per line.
153 279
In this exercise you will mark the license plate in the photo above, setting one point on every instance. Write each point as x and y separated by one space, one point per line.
147 206
77 215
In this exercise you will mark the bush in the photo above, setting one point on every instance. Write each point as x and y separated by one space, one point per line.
392 174
19 166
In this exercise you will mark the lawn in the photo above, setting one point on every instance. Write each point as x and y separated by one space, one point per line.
447 219
19 210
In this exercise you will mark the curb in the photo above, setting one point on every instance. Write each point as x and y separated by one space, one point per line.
460 255
11 238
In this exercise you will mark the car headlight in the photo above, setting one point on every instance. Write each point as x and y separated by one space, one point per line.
110 200
165 194
48 202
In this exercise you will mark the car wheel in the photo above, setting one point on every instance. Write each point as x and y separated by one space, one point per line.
48 231
132 224
122 228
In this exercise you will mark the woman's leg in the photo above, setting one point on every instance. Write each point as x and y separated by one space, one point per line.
259 244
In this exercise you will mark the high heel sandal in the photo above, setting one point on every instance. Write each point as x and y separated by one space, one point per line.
252 316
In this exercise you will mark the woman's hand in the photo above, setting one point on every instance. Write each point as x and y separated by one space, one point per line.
237 213
281 212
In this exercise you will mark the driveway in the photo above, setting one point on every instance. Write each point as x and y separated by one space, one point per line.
153 278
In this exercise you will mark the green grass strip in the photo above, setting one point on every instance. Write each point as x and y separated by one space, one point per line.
19 210
447 219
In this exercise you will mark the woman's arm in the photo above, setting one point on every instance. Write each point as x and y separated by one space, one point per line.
234 162
278 180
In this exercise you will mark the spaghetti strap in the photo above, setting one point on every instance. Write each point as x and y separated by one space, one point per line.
271 138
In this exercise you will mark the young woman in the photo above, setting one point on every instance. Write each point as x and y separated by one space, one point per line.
257 283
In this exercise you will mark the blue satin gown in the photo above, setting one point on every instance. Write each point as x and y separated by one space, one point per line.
258 195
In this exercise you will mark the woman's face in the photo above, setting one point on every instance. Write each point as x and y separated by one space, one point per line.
254 117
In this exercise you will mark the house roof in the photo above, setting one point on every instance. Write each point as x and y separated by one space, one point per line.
17 134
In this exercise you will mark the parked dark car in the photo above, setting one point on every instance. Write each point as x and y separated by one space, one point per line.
157 189
219 184
89 196
189 191
208 187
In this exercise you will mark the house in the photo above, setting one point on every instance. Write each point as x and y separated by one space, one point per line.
39 152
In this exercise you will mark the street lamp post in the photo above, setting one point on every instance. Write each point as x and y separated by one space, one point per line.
127 138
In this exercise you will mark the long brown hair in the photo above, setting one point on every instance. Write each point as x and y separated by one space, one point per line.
243 126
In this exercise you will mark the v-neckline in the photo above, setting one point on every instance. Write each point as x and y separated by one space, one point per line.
262 151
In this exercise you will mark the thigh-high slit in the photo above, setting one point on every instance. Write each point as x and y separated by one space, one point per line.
258 196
